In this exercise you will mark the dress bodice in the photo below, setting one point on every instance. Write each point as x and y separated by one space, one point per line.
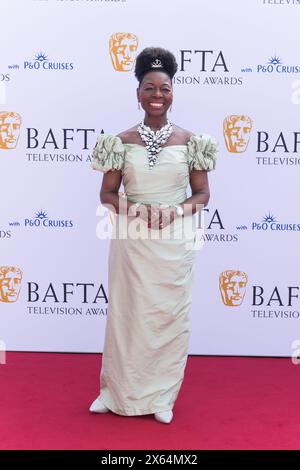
167 181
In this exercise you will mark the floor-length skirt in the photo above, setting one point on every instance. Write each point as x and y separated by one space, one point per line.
147 329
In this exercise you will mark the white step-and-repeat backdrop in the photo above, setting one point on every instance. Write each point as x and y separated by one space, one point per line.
66 74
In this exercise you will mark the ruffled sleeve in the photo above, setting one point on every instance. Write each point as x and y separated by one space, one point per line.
108 154
202 153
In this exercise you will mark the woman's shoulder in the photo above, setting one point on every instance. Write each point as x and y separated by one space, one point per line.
189 138
202 151
179 135
108 154
129 136
182 136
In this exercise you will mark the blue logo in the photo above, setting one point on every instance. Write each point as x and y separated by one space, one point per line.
41 219
269 222
42 62
273 65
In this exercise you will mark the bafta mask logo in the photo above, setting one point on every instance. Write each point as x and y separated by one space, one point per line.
122 49
10 124
10 283
237 130
233 287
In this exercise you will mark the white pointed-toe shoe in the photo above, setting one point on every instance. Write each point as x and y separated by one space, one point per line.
98 406
164 416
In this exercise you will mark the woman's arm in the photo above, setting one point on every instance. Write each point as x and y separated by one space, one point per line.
109 196
109 193
200 192
112 181
196 202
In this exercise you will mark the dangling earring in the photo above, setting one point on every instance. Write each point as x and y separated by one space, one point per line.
139 105
170 109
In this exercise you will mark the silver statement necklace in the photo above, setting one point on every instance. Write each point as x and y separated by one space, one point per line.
154 140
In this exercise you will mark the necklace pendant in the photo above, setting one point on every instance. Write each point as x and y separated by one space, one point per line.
154 140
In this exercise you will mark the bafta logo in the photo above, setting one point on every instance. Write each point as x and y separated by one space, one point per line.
122 49
10 124
233 287
10 283
237 129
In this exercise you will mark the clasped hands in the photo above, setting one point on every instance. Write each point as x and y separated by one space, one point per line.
157 216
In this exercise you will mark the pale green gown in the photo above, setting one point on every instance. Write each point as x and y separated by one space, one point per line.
149 280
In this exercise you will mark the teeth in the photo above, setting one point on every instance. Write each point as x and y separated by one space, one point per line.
156 105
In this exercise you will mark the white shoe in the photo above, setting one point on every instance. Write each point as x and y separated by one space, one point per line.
164 416
98 406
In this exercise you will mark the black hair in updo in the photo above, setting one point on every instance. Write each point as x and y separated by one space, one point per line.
146 58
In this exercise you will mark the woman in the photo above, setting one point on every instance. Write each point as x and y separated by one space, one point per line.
150 276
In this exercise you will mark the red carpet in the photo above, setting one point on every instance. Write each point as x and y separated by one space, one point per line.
224 403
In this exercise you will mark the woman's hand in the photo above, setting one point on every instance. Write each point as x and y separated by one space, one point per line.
160 216
157 216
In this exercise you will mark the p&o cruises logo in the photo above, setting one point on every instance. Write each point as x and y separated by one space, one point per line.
41 62
273 65
41 219
269 222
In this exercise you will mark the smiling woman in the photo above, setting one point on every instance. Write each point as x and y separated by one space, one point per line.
150 277
155 91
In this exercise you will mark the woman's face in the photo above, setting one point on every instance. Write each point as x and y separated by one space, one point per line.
155 93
